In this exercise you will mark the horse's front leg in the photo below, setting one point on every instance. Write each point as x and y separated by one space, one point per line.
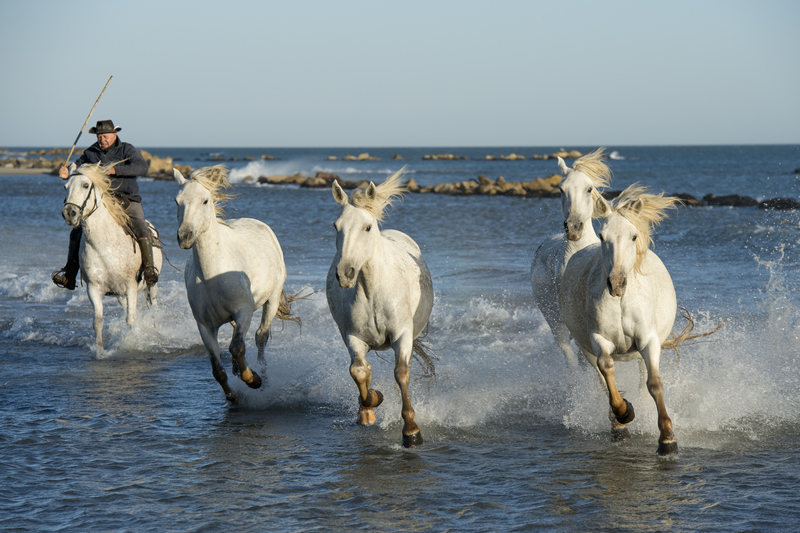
619 431
241 324
651 353
131 299
209 336
620 407
96 294
402 374
361 372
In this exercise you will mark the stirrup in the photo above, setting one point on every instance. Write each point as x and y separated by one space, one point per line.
150 275
61 279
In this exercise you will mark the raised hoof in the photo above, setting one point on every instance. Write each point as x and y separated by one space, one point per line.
255 382
629 414
412 440
620 434
667 448
366 416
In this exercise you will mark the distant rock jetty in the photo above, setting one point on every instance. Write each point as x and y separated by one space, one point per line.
535 188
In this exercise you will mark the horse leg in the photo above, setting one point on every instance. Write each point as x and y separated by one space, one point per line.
130 304
361 372
619 431
621 408
651 353
237 348
96 298
268 312
562 338
151 291
402 374
209 337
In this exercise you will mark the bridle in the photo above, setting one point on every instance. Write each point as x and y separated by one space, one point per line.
85 201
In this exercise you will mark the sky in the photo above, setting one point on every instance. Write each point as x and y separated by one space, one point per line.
402 74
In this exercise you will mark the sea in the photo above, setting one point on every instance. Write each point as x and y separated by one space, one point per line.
141 438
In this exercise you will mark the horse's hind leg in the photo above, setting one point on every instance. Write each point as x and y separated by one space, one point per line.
402 374
268 312
237 349
212 346
361 372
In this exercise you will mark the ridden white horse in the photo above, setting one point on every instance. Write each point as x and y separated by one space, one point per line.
380 295
578 195
236 267
618 300
110 258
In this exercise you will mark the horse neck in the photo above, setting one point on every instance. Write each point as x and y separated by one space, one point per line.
210 248
587 237
100 226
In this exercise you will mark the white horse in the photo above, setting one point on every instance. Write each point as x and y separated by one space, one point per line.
236 267
110 258
578 195
618 300
380 295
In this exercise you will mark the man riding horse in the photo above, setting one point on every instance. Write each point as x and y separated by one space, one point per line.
129 164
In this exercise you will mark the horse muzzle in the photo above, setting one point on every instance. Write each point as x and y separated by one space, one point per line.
616 284
574 230
346 276
185 239
71 214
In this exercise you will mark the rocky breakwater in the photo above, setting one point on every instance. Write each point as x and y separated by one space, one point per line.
538 187
49 161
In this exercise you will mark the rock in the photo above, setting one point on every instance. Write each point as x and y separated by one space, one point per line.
329 177
265 157
159 166
397 157
412 186
780 203
512 157
332 158
484 180
366 157
733 200
688 199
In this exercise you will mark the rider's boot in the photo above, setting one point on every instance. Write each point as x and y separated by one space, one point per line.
149 271
65 278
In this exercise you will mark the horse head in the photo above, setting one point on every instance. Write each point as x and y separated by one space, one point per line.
357 236
625 232
87 190
579 191
357 233
197 202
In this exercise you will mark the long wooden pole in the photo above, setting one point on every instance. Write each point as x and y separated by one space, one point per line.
66 163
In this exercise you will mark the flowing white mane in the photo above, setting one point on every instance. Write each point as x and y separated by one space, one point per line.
98 175
384 196
215 180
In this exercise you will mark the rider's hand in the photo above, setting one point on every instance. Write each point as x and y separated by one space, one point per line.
63 173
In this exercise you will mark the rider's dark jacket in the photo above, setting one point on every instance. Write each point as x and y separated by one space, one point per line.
132 165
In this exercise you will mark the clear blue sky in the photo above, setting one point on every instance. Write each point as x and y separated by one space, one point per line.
427 73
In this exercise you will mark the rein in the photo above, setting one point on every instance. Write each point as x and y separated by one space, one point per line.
85 201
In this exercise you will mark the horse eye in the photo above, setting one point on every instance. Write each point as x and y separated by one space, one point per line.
205 203
634 238
85 185
369 228
589 190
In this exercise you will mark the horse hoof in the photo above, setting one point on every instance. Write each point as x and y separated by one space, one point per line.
668 447
255 381
412 440
629 414
231 397
374 398
620 434
366 416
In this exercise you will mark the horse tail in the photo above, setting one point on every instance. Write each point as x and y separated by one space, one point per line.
423 354
285 305
675 341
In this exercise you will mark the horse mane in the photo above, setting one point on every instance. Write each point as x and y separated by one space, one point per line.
593 166
385 194
97 173
644 210
215 181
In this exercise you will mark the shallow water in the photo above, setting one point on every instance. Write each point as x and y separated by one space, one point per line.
141 438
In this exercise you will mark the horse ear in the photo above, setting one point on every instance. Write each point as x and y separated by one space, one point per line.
338 194
637 206
562 165
178 176
601 207
372 191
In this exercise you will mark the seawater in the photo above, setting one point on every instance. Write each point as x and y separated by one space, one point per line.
140 438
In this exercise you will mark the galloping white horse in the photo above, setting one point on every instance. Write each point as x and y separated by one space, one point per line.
578 195
380 294
236 267
110 258
618 300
